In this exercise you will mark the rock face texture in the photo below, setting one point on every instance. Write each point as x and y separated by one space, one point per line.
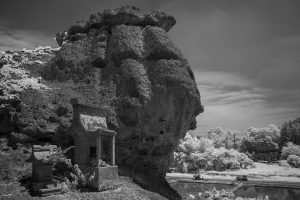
119 59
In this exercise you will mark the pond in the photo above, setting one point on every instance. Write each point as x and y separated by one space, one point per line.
262 193
185 189
272 193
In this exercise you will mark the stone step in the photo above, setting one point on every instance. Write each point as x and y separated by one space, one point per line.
48 192
50 186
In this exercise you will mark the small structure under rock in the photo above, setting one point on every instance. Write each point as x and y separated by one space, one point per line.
42 182
94 144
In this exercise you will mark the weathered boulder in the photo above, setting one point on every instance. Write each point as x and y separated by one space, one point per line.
124 61
127 15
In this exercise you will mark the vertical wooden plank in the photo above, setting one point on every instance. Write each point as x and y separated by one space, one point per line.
113 151
99 146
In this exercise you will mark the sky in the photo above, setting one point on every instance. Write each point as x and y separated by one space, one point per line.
244 53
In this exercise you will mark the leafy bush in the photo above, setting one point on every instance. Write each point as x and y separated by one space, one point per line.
290 149
193 144
71 174
294 161
283 163
230 159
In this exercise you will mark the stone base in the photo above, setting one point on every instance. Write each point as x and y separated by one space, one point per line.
109 173
46 188
99 175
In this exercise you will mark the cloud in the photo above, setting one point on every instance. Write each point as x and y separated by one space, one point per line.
221 79
235 102
230 101
19 39
220 88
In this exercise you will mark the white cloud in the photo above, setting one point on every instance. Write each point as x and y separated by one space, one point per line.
19 39
221 79
231 101
220 88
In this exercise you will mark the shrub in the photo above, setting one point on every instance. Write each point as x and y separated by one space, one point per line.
230 159
193 144
235 165
244 160
283 163
294 161
70 173
290 149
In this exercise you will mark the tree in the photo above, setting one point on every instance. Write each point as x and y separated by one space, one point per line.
191 144
225 138
290 132
261 140
196 153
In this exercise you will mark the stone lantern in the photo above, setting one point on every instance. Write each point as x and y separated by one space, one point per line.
94 143
42 182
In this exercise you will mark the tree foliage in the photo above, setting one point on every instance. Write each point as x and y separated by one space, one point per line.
290 149
225 138
261 139
194 144
199 153
290 132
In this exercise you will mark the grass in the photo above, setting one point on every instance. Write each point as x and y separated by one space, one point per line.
264 169
273 171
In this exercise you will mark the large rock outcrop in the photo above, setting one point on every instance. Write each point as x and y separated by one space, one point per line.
119 59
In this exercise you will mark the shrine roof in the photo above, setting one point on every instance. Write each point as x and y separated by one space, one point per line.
95 124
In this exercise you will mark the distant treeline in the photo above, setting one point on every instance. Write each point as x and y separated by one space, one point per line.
226 149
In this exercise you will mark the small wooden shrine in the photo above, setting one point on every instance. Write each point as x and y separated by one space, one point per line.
42 182
94 143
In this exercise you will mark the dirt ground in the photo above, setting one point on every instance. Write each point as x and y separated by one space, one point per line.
13 167
127 191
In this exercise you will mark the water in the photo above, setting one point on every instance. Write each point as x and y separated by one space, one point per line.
185 189
259 193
